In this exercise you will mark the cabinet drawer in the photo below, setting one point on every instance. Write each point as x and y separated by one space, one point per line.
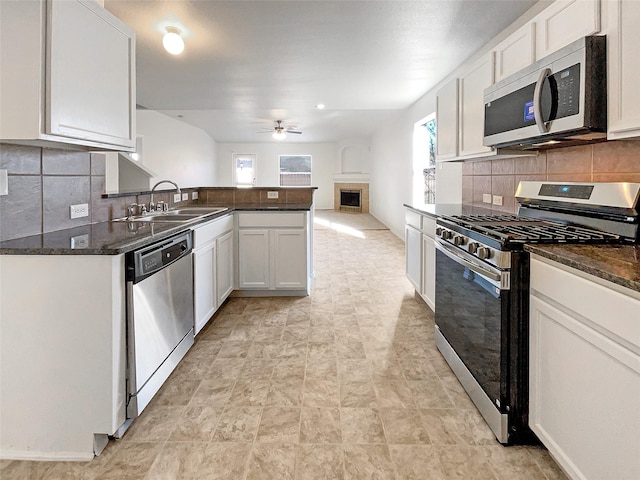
612 312
204 233
429 226
271 219
414 219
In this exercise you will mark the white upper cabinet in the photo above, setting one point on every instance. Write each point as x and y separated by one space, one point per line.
471 91
447 121
623 63
563 22
72 76
516 52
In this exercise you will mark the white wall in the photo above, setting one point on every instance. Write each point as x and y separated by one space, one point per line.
176 151
323 165
391 153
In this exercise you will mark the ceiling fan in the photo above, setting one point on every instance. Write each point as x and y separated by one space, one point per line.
279 132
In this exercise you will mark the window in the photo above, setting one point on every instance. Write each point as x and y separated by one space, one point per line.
295 170
245 169
424 160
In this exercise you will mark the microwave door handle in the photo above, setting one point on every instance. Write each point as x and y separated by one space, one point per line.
537 101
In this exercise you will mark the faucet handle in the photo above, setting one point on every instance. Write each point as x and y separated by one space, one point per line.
160 206
131 209
143 208
152 206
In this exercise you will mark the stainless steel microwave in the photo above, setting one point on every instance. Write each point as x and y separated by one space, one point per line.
560 100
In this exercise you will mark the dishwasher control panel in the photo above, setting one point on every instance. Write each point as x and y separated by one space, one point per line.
148 260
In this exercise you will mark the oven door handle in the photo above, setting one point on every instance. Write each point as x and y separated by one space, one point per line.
488 274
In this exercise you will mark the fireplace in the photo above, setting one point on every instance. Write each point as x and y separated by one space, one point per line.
350 196
350 200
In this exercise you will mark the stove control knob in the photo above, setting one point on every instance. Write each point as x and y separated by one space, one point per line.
473 247
484 253
439 231
460 240
447 235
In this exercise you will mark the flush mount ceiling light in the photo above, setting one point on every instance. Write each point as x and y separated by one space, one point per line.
172 41
320 106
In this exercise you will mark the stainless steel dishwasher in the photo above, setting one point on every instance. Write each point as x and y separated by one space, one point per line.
159 316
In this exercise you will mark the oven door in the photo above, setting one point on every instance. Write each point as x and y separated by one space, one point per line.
473 305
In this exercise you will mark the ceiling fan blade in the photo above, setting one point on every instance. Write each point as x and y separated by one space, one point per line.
293 131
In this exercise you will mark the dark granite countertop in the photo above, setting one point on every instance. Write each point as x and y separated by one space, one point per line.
619 264
447 209
116 237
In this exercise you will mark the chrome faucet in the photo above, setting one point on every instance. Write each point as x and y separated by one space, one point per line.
151 204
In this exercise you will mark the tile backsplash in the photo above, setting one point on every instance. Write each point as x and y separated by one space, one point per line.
44 183
617 161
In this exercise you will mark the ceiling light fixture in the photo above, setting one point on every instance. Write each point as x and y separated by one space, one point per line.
172 41
320 106
279 135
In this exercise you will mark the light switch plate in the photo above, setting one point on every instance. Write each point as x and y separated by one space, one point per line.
4 183
80 210
486 198
176 198
497 200
272 194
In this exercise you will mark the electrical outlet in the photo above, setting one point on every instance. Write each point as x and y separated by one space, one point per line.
185 196
80 241
497 200
176 198
272 194
194 195
4 183
486 198
79 211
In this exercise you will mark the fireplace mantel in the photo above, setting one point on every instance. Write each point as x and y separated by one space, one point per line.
351 177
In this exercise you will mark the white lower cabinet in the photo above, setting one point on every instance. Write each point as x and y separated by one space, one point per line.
212 267
585 373
273 252
413 256
420 255
429 271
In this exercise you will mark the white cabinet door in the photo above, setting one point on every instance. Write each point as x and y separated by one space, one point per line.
429 271
72 78
516 52
87 44
413 256
623 62
224 267
472 85
447 121
289 250
564 22
584 396
253 259
204 284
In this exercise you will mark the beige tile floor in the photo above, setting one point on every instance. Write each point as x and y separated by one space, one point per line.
344 384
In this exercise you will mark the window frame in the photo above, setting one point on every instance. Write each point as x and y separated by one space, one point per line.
310 173
254 158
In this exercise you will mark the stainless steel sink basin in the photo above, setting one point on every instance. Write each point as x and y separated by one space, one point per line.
178 215
196 210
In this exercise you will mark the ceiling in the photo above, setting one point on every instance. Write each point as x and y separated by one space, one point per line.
249 63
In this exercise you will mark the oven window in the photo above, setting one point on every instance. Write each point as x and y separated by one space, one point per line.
468 314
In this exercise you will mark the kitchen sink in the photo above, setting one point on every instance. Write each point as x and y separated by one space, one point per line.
178 215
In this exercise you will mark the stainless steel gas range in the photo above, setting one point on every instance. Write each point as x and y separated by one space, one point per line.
482 286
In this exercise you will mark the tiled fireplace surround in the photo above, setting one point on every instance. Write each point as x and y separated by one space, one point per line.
617 161
44 182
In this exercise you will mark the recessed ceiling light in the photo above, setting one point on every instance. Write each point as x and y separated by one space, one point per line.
320 106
